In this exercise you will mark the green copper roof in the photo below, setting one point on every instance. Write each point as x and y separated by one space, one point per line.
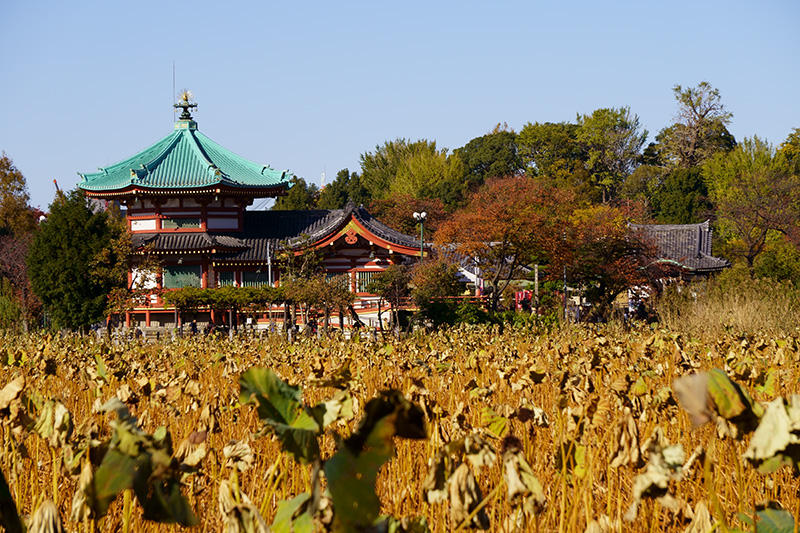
184 159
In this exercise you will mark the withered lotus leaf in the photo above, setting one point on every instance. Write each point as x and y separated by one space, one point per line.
46 519
465 496
522 484
625 447
238 512
776 441
435 487
239 455
702 521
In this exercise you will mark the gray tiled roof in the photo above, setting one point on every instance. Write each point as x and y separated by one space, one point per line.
687 245
268 230
185 241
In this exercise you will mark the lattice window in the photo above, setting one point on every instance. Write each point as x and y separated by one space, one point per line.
255 279
364 278
180 223
179 276
227 279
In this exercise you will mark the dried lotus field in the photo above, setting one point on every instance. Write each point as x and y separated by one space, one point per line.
580 430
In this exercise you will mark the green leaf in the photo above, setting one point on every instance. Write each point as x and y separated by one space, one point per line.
768 382
101 367
496 424
353 469
163 502
639 388
285 512
725 394
280 407
114 475
774 521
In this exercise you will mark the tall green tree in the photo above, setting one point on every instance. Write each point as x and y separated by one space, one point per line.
612 141
492 155
756 192
347 186
301 196
16 216
790 149
700 129
418 169
551 150
682 198
69 264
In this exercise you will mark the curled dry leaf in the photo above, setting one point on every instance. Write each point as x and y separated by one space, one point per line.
126 395
239 455
522 484
12 391
465 496
665 464
530 413
192 450
775 441
625 448
479 452
702 522
80 507
238 517
435 487
46 519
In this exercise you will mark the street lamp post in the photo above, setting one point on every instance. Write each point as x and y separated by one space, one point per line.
421 217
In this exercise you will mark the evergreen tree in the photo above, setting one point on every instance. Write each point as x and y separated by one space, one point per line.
301 196
69 263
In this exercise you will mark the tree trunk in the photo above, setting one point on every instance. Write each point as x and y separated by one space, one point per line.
380 320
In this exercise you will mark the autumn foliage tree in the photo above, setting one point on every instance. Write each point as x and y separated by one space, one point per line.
601 254
504 229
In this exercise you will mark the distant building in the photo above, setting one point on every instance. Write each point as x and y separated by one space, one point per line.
186 200
684 249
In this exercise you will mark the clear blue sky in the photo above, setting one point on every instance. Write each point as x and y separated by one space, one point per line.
310 85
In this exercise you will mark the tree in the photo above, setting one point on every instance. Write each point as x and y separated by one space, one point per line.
756 192
68 263
397 213
492 155
347 186
16 216
19 305
612 141
790 149
551 150
700 128
418 169
682 198
392 285
435 283
600 254
301 196
503 228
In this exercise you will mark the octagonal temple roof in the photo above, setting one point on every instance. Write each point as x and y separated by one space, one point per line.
185 162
